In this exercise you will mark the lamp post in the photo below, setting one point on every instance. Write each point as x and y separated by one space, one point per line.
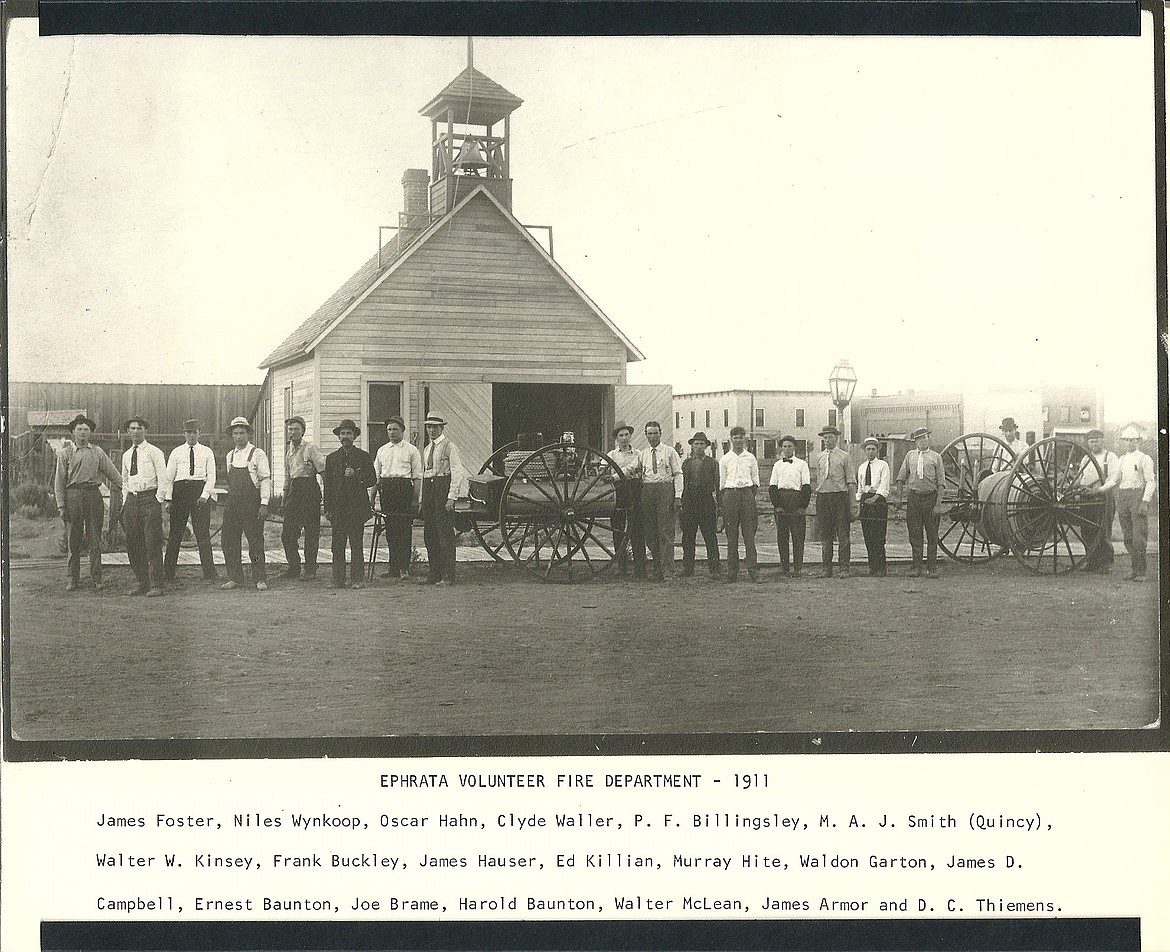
842 383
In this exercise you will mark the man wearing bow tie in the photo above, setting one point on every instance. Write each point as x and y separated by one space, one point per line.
790 490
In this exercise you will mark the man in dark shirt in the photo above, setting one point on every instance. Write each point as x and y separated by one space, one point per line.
349 477
82 467
699 507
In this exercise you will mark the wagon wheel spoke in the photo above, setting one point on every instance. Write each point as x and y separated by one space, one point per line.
1077 517
555 507
601 545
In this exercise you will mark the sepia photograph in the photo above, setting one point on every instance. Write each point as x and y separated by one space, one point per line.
427 388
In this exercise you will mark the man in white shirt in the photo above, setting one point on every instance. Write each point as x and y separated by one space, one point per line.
303 463
441 480
249 489
662 488
398 467
190 484
873 491
1092 476
144 487
628 536
1011 435
739 478
1135 483
790 489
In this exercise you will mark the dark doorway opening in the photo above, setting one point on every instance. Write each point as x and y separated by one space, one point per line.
549 409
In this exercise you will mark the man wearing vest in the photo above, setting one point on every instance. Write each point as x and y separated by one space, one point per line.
1091 477
302 499
190 483
144 487
439 491
349 477
249 487
924 481
81 469
1135 483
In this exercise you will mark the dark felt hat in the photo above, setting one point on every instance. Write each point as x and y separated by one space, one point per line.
347 425
82 418
700 437
1008 424
138 420
1094 435
395 419
622 425
829 431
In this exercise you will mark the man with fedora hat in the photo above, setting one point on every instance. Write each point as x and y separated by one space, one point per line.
144 487
921 484
81 468
1135 483
1011 435
398 466
790 488
835 486
303 462
700 505
628 535
190 484
739 478
441 478
873 491
249 489
349 477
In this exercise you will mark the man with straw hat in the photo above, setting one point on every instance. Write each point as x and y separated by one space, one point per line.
1135 483
924 480
249 489
82 467
349 477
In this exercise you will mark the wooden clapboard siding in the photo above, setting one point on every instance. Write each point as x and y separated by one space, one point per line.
467 408
302 378
636 404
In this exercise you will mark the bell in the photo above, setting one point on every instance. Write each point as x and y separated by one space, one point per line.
470 159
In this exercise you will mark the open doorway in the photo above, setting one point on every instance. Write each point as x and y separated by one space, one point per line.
549 409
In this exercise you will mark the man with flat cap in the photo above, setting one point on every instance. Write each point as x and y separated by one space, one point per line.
700 505
398 467
349 477
873 491
921 484
303 463
1092 477
628 534
144 487
790 489
249 490
441 481
82 467
835 487
190 484
1135 483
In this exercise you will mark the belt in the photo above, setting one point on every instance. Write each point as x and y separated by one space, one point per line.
403 479
923 492
726 488
427 479
84 486
142 492
294 478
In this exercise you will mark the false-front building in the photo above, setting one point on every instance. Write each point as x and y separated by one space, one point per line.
463 313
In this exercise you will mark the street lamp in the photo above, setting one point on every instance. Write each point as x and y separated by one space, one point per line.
842 383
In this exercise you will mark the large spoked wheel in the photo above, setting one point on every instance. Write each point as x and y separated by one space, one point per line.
557 513
967 461
1051 519
489 534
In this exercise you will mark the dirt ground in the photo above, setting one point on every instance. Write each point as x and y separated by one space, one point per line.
983 648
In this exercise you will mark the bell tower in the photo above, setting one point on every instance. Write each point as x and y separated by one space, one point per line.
470 127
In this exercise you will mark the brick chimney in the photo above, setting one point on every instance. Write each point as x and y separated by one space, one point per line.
416 212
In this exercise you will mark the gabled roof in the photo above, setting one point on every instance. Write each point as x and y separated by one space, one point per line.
476 99
305 338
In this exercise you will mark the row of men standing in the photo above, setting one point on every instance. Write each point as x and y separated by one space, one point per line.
658 483
184 486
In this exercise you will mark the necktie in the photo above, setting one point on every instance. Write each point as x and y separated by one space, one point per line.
920 464
431 457
134 461
654 459
192 462
868 475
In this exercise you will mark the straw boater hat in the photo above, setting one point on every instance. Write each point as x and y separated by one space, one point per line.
136 419
921 431
829 431
1131 432
434 419
190 425
347 425
622 425
700 437
871 441
82 418
240 421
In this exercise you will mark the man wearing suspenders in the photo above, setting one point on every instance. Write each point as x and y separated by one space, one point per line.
249 480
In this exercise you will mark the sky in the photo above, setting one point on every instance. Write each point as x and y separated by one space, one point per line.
947 213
